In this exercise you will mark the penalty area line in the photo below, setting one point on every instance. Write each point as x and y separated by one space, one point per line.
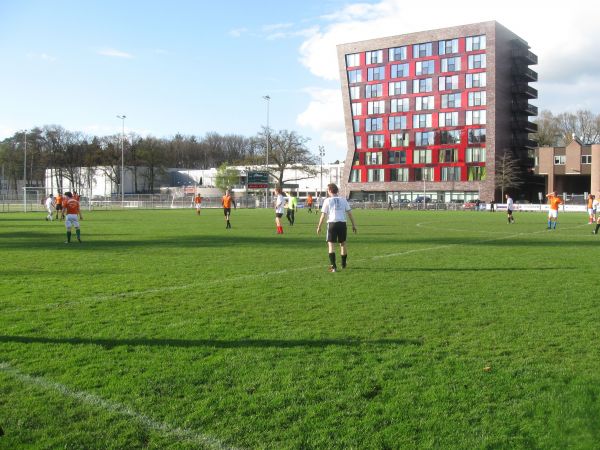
113 407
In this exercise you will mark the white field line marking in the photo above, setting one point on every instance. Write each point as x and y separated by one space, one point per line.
114 407
100 298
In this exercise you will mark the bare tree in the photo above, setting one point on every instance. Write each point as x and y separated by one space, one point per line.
287 149
508 172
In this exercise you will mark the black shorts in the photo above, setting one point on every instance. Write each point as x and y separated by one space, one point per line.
226 211
509 212
58 207
279 215
337 232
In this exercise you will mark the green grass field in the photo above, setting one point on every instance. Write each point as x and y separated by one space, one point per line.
164 330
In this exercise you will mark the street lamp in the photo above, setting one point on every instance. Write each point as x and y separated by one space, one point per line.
122 117
268 99
321 154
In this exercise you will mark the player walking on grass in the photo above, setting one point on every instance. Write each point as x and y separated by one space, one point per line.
58 205
590 208
292 207
555 201
279 202
49 204
336 209
226 201
198 203
509 209
309 203
73 216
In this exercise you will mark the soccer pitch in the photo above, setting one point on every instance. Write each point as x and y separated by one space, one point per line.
165 330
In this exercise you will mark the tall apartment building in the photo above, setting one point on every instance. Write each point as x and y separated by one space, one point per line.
429 111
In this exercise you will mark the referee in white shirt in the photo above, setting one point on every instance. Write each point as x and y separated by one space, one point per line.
336 208
509 209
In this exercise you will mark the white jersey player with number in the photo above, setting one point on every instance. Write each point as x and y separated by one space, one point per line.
49 204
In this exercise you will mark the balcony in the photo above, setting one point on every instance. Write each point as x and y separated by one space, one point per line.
524 125
524 55
525 90
525 108
523 73
524 143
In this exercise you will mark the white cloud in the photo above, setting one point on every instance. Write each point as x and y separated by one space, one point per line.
276 27
238 32
112 53
563 36
324 115
42 57
305 33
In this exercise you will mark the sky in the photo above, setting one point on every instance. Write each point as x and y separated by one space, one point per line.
195 67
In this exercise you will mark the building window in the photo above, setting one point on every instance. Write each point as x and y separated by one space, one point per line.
423 173
358 142
422 85
450 100
448 47
477 61
375 73
374 175
355 176
397 88
450 173
424 103
399 139
448 155
477 98
355 92
397 157
450 137
422 50
422 156
375 57
353 60
450 64
356 125
375 141
424 138
475 80
354 76
373 158
397 123
424 67
449 119
399 105
477 136
356 109
398 54
376 107
475 155
586 159
422 121
374 124
560 160
373 90
476 117
475 43
399 174
447 83
476 173
399 70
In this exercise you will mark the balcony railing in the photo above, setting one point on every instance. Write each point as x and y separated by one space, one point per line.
524 73
525 107
526 55
525 89
524 125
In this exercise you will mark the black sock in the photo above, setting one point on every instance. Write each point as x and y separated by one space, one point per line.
68 236
344 260
332 259
597 226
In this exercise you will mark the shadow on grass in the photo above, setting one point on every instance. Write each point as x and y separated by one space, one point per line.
215 343
464 269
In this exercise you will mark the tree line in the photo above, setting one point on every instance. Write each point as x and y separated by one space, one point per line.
64 152
558 130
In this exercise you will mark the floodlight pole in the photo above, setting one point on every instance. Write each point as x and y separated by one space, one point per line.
25 173
321 154
268 99
122 117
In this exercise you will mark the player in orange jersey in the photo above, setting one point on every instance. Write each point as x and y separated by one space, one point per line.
198 203
226 201
73 214
555 201
309 203
58 204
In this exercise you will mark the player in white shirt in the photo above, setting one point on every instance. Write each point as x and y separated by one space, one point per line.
279 206
509 209
336 208
49 204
